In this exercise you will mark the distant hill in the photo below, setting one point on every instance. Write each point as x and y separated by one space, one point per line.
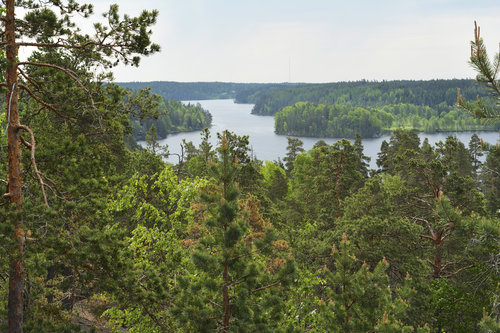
441 94
370 108
185 91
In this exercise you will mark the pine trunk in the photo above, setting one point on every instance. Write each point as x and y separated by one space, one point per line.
16 278
225 296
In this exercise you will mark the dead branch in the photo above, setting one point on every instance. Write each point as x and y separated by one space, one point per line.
26 143
33 162
457 271
216 304
265 287
427 224
427 237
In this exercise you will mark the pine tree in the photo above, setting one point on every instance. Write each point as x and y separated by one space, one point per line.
295 147
239 282
363 159
490 177
475 151
360 299
53 34
487 73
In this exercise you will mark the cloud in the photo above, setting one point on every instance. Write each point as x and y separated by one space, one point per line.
322 41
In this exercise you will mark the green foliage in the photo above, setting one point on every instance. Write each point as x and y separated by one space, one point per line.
490 177
437 94
275 181
345 120
487 72
224 242
156 214
198 160
310 119
323 177
370 221
450 299
295 146
240 283
360 299
370 108
173 117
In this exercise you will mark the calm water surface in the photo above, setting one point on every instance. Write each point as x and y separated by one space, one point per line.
267 145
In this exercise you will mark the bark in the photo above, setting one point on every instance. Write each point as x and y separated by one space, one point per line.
225 295
16 275
338 179
438 265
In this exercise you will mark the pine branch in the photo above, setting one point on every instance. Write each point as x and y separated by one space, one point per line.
40 101
71 74
153 317
487 74
62 44
29 79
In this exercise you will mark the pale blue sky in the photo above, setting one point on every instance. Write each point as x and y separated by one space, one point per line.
312 40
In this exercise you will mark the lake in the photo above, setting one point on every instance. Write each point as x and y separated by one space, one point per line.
267 145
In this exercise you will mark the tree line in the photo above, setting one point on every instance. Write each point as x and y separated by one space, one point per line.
173 117
438 94
345 121
188 91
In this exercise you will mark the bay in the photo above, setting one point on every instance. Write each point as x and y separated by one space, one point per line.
267 145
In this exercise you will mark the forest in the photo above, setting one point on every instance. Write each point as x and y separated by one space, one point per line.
96 237
371 108
173 117
368 108
437 94
188 91
345 121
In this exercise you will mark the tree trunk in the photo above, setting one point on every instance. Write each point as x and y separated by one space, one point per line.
438 266
225 296
337 185
16 275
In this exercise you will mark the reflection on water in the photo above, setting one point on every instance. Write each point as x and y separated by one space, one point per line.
269 146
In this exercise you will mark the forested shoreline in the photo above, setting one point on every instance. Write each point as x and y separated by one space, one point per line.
372 108
173 117
345 121
344 109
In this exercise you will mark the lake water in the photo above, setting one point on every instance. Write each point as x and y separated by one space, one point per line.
267 145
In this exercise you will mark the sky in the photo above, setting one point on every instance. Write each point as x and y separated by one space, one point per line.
311 40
